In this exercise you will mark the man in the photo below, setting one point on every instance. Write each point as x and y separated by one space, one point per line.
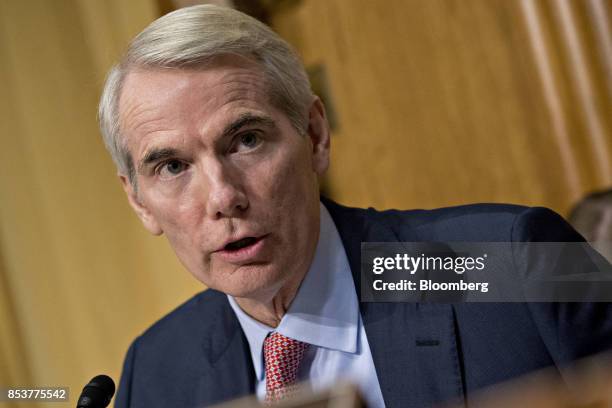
219 144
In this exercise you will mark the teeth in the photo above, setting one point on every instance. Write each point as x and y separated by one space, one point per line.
240 243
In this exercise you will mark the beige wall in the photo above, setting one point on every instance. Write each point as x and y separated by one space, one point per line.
444 102
439 103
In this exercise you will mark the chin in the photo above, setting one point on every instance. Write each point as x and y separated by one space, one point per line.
253 282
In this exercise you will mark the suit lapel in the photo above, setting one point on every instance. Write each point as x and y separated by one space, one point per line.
228 372
413 346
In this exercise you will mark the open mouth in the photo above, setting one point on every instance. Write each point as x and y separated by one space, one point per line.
241 243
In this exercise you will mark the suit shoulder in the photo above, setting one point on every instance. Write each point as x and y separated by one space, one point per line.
468 210
190 318
486 222
435 213
473 222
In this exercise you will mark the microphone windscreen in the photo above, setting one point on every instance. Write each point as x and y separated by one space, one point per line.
97 393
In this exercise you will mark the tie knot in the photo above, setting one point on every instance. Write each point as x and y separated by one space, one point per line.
282 357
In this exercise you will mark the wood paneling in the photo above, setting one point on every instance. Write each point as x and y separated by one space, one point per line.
444 102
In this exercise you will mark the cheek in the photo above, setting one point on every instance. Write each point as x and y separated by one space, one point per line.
289 177
180 218
290 199
199 264
175 205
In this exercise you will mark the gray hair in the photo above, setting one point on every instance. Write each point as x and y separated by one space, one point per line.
191 37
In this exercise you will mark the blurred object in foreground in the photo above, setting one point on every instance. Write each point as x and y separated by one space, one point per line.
341 396
587 384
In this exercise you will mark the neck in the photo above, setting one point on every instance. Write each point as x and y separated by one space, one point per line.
271 310
270 307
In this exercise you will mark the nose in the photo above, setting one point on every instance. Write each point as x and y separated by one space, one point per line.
226 195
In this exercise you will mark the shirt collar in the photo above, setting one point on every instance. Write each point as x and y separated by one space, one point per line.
325 311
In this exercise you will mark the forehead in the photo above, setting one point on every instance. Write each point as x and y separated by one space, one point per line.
221 71
166 97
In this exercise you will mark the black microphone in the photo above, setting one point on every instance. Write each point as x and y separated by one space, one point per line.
98 393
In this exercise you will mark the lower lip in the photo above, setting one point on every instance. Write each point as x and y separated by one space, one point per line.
243 255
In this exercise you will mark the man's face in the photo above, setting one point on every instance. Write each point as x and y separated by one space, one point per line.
224 174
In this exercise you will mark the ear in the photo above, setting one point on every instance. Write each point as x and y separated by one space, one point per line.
148 220
318 131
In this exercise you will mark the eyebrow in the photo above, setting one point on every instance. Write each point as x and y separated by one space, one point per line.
155 155
246 119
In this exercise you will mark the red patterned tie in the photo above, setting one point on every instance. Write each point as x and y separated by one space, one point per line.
282 357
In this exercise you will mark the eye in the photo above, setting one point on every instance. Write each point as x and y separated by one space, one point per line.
249 139
246 141
172 168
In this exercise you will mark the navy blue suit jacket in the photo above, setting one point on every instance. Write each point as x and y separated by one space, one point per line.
423 353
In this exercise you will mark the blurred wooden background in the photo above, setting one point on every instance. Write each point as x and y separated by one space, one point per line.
448 102
437 102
